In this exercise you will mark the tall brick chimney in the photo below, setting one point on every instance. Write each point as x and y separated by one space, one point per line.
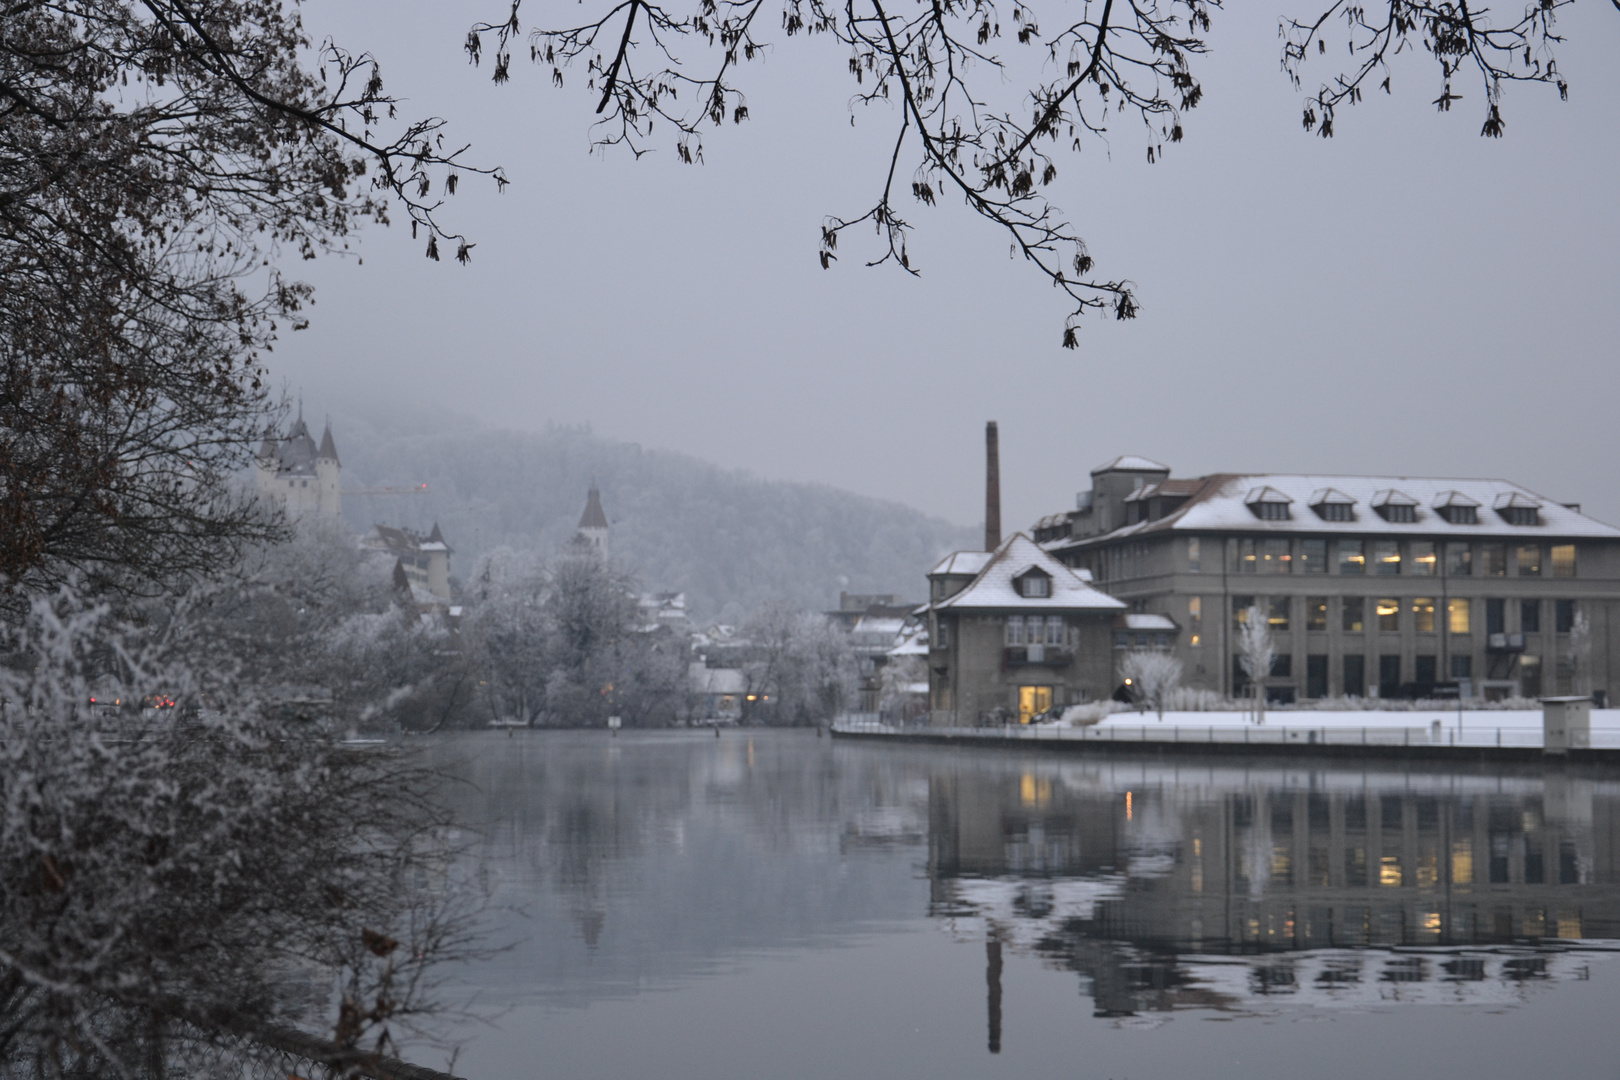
992 487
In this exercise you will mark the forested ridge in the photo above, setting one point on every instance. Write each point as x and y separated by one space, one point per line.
730 540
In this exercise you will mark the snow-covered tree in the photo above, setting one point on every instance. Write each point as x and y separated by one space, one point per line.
1256 651
801 662
1580 652
181 868
1154 674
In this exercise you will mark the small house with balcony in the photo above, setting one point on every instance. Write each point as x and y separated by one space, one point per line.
1014 634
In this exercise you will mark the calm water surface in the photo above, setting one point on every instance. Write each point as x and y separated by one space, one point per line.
773 904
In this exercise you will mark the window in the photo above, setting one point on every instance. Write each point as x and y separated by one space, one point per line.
1423 558
1035 586
1355 675
1277 615
1389 615
1335 511
1457 615
1460 515
1530 616
1354 609
1275 557
1563 560
944 635
1282 666
1316 614
1387 556
1563 616
1313 557
1521 515
1389 675
1425 670
1423 615
1015 630
1395 507
1195 620
1399 514
1195 564
1530 676
1462 667
1240 610
1246 556
1495 616
1316 676
1493 560
1529 560
1459 560
1352 558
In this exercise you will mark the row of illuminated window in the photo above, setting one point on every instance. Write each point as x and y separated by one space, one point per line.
1392 675
1421 558
1359 613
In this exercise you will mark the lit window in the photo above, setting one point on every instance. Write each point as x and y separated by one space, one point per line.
1246 556
1457 615
1423 558
1240 610
1459 560
1389 615
1423 614
1563 560
1316 614
1352 557
1354 610
1275 557
1387 556
1195 620
1277 617
1529 560
1194 563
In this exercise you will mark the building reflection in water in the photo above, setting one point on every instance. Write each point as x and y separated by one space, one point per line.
1235 890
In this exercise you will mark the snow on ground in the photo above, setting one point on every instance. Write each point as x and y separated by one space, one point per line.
1517 727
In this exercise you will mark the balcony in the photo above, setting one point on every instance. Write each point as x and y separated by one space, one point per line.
1505 643
1053 656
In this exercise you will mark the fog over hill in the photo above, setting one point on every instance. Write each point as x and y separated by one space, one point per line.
729 540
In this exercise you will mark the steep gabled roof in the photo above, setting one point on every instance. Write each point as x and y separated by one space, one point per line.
328 447
994 586
962 562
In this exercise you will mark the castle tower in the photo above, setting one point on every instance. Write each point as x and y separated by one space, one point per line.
593 525
329 477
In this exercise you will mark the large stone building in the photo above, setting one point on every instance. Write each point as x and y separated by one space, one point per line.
304 478
1372 585
1012 634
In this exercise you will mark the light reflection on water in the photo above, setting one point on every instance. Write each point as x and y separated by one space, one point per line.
949 913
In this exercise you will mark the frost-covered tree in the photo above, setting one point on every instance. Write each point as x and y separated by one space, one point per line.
1256 651
800 662
1154 674
1580 652
181 869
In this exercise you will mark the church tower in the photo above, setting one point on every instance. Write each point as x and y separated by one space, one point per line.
593 525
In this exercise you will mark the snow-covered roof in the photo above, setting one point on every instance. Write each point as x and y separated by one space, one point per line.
1130 463
1220 506
913 642
962 562
877 624
995 586
1139 621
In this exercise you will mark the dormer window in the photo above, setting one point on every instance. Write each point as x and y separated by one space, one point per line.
1518 508
1331 504
1034 584
1395 507
1268 504
1457 508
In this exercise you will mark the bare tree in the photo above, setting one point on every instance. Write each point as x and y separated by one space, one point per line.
976 122
157 159
1256 651
1154 674
803 664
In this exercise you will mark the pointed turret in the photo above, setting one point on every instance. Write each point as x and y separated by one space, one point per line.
593 524
328 446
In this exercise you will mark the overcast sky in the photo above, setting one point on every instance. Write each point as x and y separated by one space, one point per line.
1405 298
